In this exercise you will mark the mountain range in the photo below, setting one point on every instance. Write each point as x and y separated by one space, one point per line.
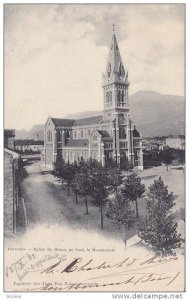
154 114
36 133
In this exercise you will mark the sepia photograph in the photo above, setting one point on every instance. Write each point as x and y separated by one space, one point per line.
94 148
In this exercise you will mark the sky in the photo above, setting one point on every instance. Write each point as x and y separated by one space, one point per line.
54 55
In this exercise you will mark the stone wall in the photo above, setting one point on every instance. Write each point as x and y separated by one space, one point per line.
8 195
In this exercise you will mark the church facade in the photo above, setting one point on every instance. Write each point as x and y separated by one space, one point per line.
103 137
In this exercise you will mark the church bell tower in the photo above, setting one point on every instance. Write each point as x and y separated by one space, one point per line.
116 105
115 82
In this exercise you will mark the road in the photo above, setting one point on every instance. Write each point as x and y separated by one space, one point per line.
46 203
41 204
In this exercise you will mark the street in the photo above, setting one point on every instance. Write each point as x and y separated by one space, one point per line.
41 205
47 204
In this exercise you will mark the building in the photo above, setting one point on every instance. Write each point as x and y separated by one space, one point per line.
28 145
38 135
9 135
152 145
103 137
11 191
177 142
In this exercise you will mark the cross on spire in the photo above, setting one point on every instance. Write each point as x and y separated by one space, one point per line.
113 27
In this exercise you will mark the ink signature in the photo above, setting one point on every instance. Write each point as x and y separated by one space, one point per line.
127 271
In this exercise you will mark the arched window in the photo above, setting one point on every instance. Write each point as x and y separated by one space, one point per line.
122 132
59 135
110 96
118 98
49 136
110 99
107 99
122 97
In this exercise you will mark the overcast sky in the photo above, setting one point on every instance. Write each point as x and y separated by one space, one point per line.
55 56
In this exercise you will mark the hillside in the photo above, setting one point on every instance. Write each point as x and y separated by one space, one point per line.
36 133
157 114
153 113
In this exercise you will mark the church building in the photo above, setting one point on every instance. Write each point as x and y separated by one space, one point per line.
103 137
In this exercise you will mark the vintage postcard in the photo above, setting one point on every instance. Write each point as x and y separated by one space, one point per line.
94 148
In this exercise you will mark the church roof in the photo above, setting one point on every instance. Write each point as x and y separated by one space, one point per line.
88 121
58 122
78 143
105 135
136 133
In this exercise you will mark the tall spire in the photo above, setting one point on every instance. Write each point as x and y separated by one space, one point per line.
115 71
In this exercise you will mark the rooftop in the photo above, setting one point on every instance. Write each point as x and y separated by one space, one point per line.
88 121
11 152
27 142
9 132
78 143
58 122
105 135
176 137
135 132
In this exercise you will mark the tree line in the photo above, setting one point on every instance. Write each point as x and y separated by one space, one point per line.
89 178
165 156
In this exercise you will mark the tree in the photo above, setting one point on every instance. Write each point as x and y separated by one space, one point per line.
75 183
123 160
182 158
113 174
125 164
166 156
67 173
133 189
58 168
99 191
103 178
120 213
92 166
82 181
76 186
159 228
129 166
